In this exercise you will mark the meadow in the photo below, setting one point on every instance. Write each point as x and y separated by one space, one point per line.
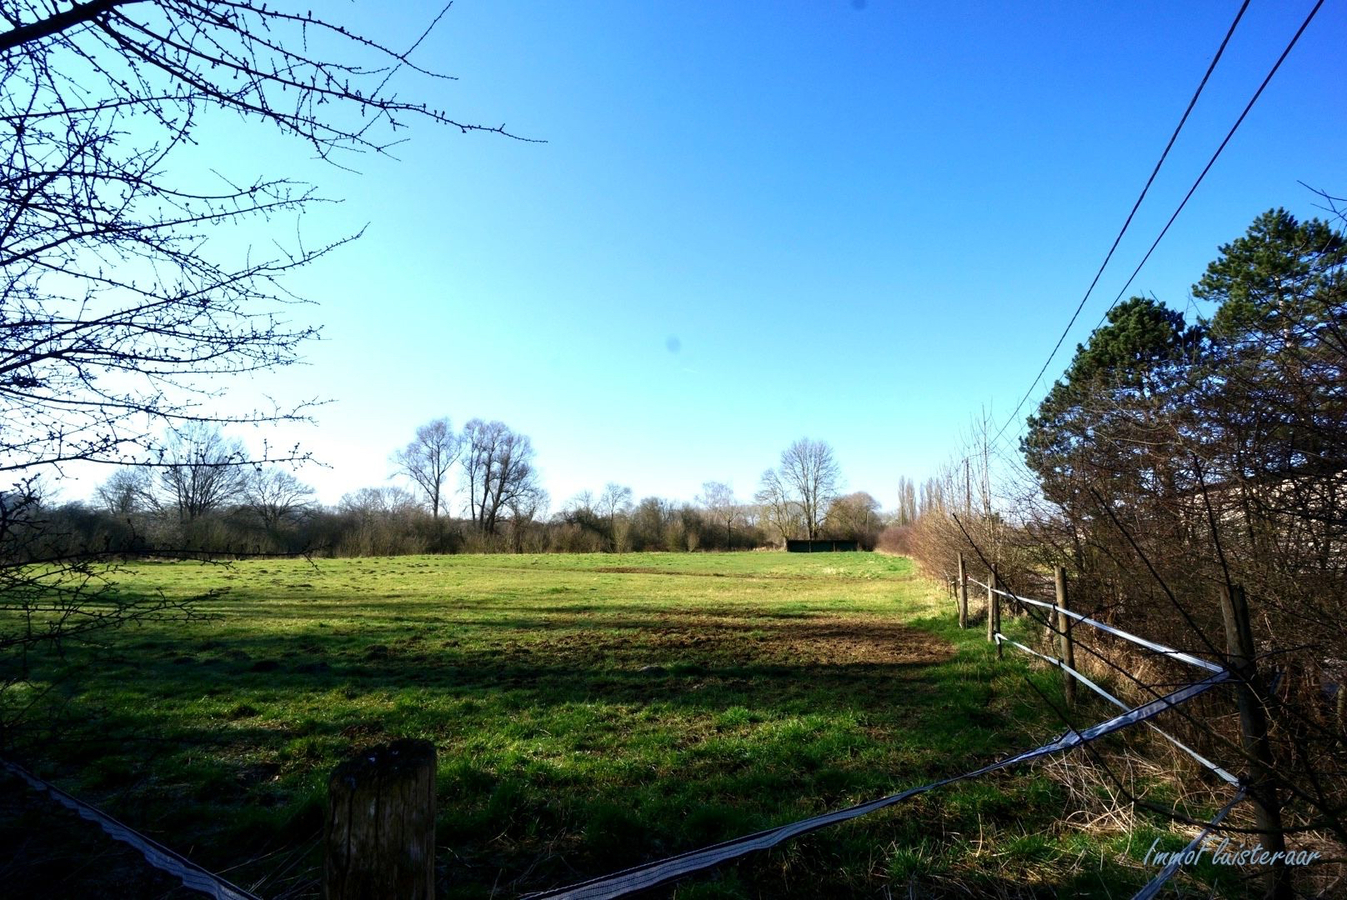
590 712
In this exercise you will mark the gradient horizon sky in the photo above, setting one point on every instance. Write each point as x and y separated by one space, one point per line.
756 221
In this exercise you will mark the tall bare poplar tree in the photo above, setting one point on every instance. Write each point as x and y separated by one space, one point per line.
615 501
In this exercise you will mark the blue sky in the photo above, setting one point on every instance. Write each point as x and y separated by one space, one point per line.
755 221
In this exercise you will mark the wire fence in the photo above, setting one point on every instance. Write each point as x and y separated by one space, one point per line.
1063 613
155 853
1161 649
1105 627
1158 882
1089 683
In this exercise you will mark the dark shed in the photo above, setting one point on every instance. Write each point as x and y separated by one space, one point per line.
803 546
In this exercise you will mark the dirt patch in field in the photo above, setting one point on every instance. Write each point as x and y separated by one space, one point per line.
740 576
715 640
651 570
814 641
843 641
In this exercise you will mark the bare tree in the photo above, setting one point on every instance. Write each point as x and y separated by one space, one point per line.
718 499
380 521
276 496
120 318
615 501
126 491
497 469
855 517
809 472
932 497
426 460
778 510
582 502
526 507
372 501
906 513
119 315
202 472
649 524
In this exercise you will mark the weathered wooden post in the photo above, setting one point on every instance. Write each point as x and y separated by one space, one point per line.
993 612
963 593
379 835
1064 640
1253 737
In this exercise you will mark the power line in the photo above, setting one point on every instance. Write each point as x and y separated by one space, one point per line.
1214 156
1135 206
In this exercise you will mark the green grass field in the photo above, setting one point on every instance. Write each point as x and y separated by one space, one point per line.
590 712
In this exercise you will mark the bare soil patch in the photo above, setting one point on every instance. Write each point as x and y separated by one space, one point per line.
816 641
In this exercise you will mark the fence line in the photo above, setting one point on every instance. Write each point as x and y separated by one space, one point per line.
1238 662
1103 626
155 853
650 875
1061 664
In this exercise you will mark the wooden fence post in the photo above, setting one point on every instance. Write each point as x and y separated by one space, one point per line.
1064 640
1253 737
993 612
963 593
379 837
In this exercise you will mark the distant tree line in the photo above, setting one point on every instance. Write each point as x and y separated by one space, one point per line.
474 489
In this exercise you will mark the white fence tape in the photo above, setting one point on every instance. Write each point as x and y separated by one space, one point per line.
1221 773
649 875
1125 635
156 854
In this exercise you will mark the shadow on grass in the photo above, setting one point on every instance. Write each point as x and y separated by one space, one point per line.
688 662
